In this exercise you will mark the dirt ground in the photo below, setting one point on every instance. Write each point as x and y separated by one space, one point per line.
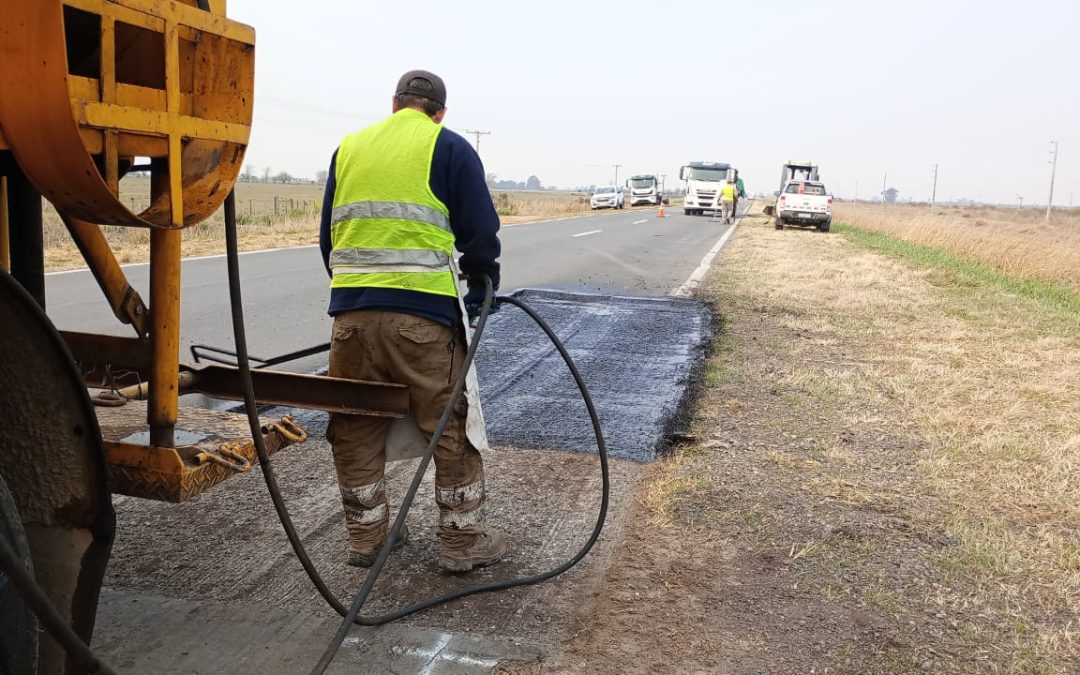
827 517
878 476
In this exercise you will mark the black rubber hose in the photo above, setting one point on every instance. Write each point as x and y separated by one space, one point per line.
350 615
601 516
369 581
40 605
232 258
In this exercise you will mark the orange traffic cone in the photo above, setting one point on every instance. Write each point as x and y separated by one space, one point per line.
660 213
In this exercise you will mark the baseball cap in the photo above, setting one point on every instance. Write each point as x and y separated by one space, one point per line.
422 83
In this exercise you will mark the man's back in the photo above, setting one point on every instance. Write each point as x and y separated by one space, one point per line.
455 179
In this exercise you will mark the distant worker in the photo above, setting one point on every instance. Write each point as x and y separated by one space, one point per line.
740 192
401 195
728 194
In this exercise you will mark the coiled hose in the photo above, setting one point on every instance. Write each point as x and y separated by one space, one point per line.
351 615
47 614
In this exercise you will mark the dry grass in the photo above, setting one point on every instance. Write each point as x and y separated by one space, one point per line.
271 215
521 206
208 238
669 485
1015 241
989 378
983 382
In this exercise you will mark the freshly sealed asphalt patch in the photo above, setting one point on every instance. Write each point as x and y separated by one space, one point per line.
637 356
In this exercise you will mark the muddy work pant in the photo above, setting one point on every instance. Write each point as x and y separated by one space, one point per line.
387 346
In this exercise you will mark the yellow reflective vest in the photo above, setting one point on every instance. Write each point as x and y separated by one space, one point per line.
388 230
727 193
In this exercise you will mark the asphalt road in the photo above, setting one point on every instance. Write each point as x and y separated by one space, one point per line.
286 290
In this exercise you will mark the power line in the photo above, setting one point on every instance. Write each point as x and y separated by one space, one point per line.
478 134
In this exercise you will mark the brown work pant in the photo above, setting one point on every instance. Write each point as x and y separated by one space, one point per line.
727 209
387 346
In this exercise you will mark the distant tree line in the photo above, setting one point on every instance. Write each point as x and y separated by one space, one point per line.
267 175
530 183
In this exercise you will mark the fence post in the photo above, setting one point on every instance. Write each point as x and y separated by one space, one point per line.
251 210
275 205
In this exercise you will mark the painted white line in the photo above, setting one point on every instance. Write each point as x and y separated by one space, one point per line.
638 222
585 234
433 654
688 286
198 257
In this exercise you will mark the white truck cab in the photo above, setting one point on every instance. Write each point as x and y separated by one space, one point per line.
644 189
703 183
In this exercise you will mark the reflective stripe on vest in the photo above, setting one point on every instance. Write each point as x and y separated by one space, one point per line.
389 260
397 210
388 230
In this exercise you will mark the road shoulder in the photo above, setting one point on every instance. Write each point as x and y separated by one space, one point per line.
821 521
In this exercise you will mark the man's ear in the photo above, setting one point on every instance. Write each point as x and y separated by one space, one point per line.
394 104
439 115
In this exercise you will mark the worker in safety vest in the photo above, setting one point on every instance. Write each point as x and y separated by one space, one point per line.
728 194
740 192
401 195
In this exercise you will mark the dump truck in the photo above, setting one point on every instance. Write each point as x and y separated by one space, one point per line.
792 171
797 171
644 189
703 183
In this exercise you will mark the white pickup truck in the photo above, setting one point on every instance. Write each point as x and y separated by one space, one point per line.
804 202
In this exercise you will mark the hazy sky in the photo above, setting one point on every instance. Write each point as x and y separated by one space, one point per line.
570 88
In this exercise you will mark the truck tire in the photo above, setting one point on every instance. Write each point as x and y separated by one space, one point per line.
18 625
824 227
779 223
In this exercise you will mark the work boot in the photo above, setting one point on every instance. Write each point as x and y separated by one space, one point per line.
461 552
367 559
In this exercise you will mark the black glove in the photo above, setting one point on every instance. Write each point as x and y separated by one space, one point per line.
474 303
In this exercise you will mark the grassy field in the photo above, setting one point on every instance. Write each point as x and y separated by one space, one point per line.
272 215
884 476
1017 242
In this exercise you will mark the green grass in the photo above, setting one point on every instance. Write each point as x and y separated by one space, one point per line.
953 270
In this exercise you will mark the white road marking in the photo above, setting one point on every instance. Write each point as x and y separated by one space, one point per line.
638 222
437 654
199 257
433 654
688 286
585 234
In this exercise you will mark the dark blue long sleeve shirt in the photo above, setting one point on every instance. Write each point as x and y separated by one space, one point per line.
457 179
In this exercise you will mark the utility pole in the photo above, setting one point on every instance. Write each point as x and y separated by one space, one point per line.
856 200
1053 170
663 187
933 193
1020 198
616 173
478 134
884 179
